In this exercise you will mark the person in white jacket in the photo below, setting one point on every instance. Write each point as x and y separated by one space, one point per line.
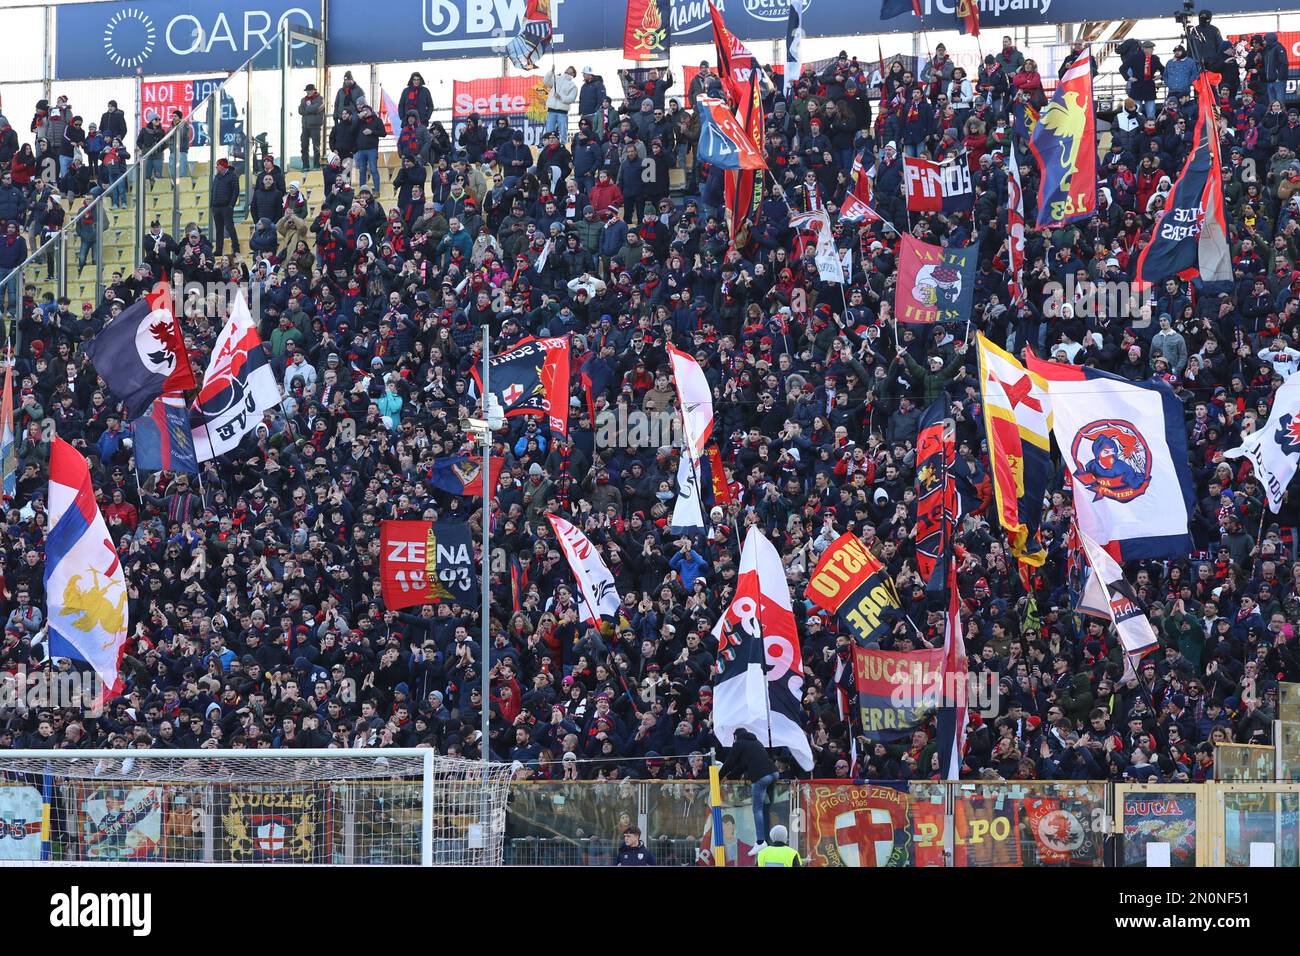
562 93
1284 359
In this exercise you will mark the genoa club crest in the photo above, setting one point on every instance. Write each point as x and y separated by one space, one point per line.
1114 460
1288 434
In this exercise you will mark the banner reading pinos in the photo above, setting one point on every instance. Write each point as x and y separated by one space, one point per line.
850 582
856 824
896 689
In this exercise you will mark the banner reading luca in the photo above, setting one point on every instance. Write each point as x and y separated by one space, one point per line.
856 825
935 284
895 689
423 563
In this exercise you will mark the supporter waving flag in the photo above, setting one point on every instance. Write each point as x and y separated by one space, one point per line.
595 583
141 353
763 694
238 387
1190 238
1065 143
1017 426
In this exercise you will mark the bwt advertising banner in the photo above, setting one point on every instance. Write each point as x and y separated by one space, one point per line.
167 37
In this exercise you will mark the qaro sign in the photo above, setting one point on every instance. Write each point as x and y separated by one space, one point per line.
160 37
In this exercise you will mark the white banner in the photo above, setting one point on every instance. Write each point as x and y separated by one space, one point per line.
695 397
596 584
688 515
22 815
1274 448
237 388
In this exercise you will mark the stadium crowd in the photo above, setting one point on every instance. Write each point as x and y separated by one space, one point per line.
255 614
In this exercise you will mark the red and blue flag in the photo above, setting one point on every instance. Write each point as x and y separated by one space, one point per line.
163 440
1065 144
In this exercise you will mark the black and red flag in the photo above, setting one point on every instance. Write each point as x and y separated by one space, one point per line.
938 498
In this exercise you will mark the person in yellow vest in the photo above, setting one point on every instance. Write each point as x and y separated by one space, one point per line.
777 852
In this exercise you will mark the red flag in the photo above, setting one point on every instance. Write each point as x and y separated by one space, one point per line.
968 16
645 31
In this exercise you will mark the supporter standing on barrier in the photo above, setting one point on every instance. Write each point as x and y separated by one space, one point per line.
749 760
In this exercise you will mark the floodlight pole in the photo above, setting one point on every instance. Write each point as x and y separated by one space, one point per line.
485 650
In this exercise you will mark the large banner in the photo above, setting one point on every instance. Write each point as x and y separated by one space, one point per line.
421 562
892 688
188 36
1063 830
856 825
520 99
117 822
163 37
22 823
274 824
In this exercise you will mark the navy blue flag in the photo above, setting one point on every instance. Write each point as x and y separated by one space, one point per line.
163 441
141 353
896 8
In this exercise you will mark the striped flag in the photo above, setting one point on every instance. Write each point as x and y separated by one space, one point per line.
1015 228
1017 424
952 715
8 450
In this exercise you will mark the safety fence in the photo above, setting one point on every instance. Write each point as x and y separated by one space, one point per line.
915 824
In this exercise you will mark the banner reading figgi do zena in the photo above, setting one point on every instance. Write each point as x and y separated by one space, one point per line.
521 100
856 824
895 689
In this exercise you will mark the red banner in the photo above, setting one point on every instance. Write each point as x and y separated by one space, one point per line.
416 568
856 824
645 31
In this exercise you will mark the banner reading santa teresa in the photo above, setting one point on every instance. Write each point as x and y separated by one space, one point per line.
935 284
